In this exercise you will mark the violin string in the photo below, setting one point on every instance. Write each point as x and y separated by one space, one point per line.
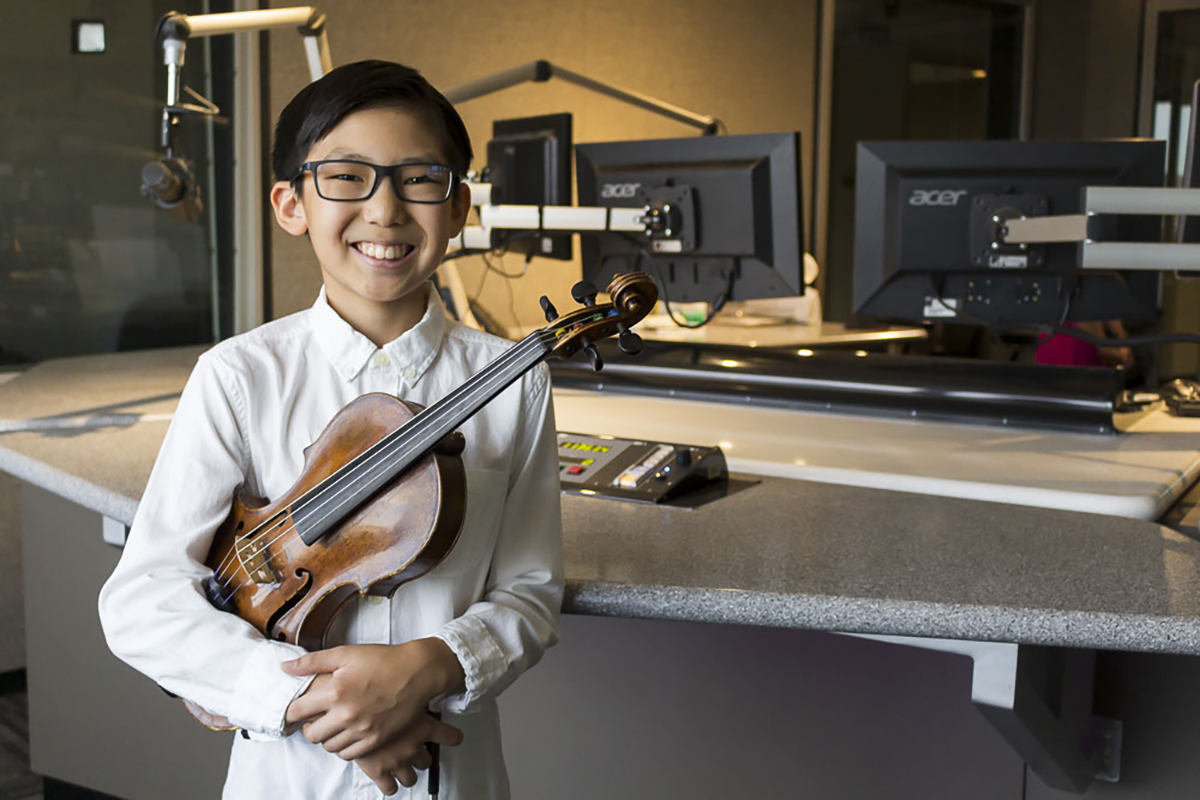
383 450
498 373
410 431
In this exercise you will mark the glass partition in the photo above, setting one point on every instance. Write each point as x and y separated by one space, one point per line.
917 69
87 264
1171 68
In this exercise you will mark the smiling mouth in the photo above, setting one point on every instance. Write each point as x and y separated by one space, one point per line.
392 253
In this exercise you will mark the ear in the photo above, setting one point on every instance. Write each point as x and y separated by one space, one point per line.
460 206
289 208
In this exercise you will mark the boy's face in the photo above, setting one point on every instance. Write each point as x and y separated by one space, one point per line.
339 231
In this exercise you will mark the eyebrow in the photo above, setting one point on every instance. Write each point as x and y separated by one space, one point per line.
421 158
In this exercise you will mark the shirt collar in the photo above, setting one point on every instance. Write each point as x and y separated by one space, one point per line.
349 352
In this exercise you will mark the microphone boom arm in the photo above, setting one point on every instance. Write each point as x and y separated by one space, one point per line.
175 30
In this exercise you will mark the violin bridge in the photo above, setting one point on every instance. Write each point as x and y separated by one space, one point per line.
254 557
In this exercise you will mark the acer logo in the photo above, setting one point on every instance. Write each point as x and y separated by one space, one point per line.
936 197
614 190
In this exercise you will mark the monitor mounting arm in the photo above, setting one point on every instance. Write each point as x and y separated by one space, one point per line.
542 71
1014 235
667 222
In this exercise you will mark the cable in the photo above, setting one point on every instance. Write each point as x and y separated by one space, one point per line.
489 267
714 306
509 277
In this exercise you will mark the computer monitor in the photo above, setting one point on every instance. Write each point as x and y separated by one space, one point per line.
928 213
727 214
529 163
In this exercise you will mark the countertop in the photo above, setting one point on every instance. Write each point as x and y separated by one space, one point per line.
1139 473
783 552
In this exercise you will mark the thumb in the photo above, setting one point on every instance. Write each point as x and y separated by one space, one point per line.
314 663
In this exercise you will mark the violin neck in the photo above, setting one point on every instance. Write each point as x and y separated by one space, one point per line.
352 485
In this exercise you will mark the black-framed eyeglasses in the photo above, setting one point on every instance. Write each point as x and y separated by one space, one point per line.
344 180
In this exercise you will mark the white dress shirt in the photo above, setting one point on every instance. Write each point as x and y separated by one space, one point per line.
250 407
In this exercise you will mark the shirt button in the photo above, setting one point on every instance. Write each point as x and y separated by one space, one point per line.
381 359
348 372
410 373
373 600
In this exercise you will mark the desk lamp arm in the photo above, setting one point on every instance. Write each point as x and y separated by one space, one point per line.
542 71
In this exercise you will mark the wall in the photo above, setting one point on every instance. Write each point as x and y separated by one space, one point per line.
751 64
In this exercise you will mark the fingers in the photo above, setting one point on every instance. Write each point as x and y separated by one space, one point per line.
407 777
423 759
441 733
325 729
356 749
350 745
316 700
384 780
315 663
385 771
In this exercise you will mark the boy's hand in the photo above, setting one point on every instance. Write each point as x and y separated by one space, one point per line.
400 758
365 695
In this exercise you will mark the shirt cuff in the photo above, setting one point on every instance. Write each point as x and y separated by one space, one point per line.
263 690
482 660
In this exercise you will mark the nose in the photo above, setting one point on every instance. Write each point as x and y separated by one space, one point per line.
384 208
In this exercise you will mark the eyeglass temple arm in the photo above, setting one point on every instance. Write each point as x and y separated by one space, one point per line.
542 71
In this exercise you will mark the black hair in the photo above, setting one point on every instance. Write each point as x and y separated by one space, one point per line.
319 107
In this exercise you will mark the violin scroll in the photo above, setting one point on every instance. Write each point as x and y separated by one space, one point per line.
632 296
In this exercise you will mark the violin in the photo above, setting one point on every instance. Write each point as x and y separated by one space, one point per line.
382 495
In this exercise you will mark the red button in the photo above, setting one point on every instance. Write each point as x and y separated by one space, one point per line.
574 470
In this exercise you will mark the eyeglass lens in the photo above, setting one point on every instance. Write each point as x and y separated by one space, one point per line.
346 180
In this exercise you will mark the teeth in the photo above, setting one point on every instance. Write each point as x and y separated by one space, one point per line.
388 253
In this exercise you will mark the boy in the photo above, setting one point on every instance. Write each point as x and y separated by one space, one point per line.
368 163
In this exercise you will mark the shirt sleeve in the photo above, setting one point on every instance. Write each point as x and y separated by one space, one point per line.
153 608
510 628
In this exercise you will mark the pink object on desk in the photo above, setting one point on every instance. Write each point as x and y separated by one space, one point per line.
1068 351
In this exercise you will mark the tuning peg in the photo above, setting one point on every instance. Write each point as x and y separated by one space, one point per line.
584 292
549 309
593 355
629 342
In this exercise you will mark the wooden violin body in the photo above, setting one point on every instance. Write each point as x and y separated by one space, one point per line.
290 591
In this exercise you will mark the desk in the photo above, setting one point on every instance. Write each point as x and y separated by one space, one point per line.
1139 473
890 339
787 554
825 335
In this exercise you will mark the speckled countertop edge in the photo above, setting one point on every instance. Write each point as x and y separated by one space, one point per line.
86 494
1106 631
